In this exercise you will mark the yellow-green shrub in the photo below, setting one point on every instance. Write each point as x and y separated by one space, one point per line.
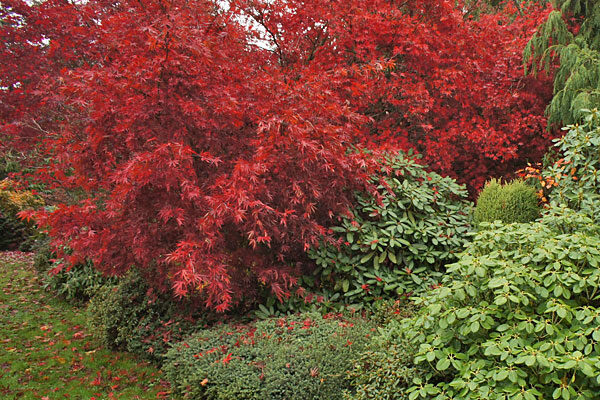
510 202
12 201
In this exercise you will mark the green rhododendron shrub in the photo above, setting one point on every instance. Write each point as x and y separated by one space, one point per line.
399 241
299 357
576 176
518 316
510 202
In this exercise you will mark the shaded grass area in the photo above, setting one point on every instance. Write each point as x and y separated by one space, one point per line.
46 352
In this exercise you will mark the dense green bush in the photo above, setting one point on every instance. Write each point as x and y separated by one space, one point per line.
398 243
386 366
518 316
576 176
383 372
126 316
43 257
300 357
511 202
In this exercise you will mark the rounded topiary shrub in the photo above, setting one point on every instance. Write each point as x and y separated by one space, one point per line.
518 316
510 202
299 357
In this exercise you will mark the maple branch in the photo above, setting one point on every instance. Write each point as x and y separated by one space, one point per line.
36 126
317 42
259 18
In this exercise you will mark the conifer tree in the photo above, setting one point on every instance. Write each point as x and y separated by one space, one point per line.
571 36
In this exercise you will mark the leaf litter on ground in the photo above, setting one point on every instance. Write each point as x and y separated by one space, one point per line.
47 353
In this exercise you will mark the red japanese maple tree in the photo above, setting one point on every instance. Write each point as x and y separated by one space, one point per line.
202 163
40 41
210 145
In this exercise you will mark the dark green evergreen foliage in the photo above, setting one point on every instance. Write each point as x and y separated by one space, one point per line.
398 243
12 231
386 366
127 316
511 202
571 34
301 357
577 174
383 372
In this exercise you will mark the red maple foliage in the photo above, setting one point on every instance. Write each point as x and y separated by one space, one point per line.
209 146
39 42
427 75
201 163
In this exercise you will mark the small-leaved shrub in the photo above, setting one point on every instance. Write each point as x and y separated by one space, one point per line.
383 372
396 244
510 202
127 316
518 316
386 366
299 357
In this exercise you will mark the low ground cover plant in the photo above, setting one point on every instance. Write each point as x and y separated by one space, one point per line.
77 284
386 366
300 357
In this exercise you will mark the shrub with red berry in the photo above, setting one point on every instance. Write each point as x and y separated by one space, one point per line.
398 242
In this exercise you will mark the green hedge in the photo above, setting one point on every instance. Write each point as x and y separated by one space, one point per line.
125 316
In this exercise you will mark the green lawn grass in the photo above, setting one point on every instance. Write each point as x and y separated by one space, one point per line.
47 353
